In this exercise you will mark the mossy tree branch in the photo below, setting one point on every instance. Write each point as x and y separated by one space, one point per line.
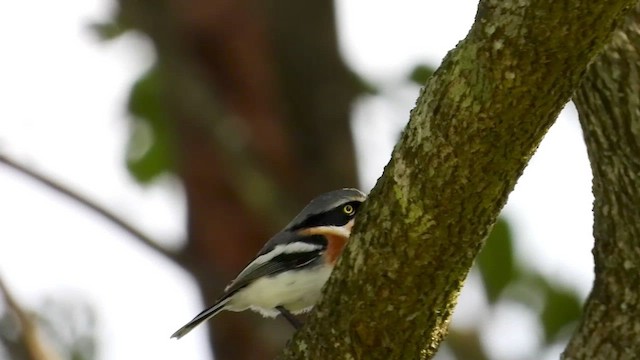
476 124
608 103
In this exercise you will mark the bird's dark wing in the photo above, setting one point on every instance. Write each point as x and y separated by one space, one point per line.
285 251
290 237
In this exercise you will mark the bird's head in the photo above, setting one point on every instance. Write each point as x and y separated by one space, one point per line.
330 213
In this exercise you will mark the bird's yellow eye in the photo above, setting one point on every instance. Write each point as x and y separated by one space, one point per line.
348 209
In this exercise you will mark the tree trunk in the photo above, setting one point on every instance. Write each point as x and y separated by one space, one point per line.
608 103
475 126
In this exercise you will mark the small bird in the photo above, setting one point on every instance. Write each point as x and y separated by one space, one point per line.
286 277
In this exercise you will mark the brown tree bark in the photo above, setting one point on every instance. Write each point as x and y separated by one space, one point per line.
476 124
608 103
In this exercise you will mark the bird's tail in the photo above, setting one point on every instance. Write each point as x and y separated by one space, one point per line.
203 316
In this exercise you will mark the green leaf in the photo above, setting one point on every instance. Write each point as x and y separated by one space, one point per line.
363 85
562 308
150 147
107 31
111 28
466 344
420 74
496 261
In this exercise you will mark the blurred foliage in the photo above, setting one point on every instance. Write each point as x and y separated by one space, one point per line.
561 310
71 324
558 308
150 147
420 74
108 30
496 261
68 325
465 344
111 28
365 87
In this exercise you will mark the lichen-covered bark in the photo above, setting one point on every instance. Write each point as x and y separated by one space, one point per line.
608 102
475 126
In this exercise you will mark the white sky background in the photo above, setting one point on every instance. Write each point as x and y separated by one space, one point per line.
62 97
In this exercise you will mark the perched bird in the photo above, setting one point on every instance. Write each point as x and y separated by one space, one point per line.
287 275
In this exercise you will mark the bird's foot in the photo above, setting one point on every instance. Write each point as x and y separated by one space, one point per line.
297 324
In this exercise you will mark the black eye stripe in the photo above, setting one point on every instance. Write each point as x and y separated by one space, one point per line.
335 217
356 205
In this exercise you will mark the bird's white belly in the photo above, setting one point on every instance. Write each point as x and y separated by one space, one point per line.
297 291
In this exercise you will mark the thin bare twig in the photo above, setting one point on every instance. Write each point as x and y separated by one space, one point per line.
32 339
108 215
